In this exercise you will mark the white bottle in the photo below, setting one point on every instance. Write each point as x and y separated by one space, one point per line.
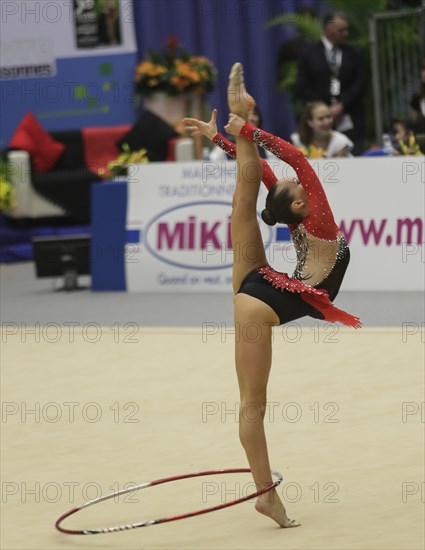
205 153
387 145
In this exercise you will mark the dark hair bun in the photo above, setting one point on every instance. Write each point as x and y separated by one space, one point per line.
268 217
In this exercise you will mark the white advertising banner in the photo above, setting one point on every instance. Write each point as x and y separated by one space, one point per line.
34 33
69 62
178 223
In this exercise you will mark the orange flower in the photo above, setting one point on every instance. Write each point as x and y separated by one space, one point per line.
174 71
150 69
180 82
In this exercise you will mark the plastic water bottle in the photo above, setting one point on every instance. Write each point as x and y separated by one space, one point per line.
205 153
387 145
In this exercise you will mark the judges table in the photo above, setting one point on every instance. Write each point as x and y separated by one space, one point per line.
167 227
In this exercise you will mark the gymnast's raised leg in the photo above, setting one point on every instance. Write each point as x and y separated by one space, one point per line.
253 318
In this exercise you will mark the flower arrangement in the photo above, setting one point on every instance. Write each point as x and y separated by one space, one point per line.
313 152
174 71
119 166
410 147
7 191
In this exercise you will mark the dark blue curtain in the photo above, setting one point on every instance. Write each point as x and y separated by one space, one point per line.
226 31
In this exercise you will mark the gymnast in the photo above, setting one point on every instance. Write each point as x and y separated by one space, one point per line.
264 297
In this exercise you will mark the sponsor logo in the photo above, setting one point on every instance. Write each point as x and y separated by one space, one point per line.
194 235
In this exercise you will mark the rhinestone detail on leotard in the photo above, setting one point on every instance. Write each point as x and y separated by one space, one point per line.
318 226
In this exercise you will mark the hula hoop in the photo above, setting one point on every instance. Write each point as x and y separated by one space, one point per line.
146 523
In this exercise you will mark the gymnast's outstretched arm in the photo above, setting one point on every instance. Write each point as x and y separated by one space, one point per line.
209 130
320 219
291 155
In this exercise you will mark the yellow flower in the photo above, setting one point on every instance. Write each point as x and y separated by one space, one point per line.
314 152
200 59
174 71
138 157
119 165
411 147
148 68
7 193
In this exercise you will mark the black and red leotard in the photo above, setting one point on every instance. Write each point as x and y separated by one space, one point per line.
322 251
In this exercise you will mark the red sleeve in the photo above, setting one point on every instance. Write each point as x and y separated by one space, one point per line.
268 178
320 221
226 145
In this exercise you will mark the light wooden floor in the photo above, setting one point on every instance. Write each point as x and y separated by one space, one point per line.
344 427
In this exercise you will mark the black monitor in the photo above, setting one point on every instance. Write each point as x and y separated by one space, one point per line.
62 256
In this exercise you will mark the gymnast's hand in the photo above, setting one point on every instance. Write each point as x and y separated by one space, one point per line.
199 127
235 124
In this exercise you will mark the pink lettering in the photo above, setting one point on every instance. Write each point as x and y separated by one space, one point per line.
405 229
369 232
191 230
165 233
229 235
372 231
348 233
209 234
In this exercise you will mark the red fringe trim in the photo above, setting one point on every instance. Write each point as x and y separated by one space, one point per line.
316 297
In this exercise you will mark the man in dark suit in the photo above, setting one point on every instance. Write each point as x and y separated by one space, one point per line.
334 72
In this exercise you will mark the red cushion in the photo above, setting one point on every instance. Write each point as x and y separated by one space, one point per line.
100 145
33 138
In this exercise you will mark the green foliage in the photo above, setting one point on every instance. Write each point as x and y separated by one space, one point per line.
288 76
100 5
357 13
305 23
119 166
7 192
405 32
308 26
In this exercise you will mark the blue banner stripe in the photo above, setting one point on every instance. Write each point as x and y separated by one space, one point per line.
133 236
283 234
109 211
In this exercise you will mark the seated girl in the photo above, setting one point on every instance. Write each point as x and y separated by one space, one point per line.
316 137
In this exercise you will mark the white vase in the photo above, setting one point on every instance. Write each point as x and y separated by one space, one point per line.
173 108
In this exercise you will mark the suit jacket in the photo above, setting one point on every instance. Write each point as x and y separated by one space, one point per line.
314 77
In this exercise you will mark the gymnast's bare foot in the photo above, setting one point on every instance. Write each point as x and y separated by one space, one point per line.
276 511
239 100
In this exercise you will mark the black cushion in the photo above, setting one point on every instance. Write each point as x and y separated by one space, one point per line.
70 189
73 155
151 133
